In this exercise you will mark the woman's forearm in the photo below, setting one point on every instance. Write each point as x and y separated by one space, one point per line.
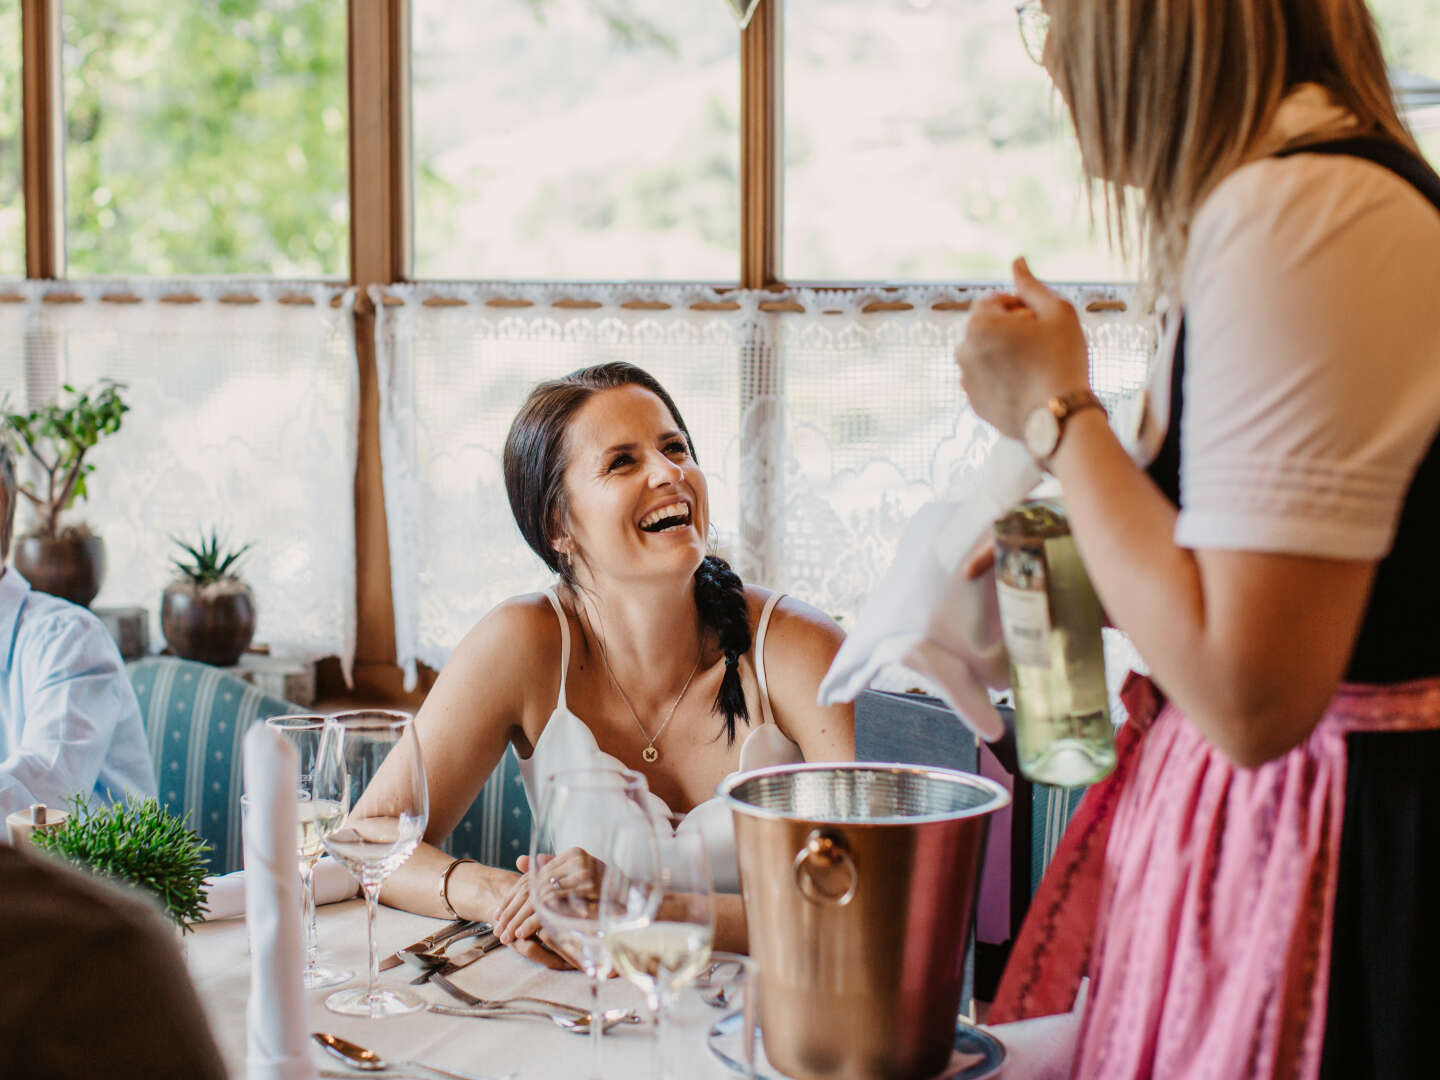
475 891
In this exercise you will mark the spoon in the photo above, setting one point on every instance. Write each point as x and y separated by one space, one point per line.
357 1057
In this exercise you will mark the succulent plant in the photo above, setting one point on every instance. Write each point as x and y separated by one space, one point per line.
210 560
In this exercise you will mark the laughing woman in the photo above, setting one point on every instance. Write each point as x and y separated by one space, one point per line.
648 653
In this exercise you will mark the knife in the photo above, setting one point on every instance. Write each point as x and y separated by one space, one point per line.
488 944
457 929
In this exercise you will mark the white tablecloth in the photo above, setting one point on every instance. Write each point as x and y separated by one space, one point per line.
218 957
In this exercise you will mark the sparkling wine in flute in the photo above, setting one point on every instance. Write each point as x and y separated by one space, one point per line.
1051 620
662 956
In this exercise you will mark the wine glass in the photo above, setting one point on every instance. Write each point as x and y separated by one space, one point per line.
665 954
369 765
315 817
591 820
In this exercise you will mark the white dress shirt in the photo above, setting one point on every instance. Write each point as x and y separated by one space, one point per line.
69 720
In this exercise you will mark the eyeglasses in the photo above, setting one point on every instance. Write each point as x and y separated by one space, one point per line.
1034 28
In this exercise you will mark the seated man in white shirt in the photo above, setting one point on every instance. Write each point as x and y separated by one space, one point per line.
69 721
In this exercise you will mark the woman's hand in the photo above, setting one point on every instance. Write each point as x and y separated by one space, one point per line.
517 923
1020 351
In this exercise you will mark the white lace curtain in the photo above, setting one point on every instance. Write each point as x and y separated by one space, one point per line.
243 417
821 433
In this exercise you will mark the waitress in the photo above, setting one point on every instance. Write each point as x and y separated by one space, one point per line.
1253 890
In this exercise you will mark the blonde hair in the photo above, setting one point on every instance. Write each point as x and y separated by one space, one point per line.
1169 96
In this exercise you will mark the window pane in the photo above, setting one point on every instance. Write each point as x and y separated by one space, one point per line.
1410 31
576 139
205 138
922 143
12 204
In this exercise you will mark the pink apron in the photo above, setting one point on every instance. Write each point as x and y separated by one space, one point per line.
1199 897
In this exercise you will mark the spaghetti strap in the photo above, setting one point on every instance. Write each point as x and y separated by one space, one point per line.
564 643
775 598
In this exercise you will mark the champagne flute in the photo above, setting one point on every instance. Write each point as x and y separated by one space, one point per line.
369 765
662 956
583 815
316 817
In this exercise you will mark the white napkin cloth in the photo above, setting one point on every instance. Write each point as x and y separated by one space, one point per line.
275 1018
225 895
926 616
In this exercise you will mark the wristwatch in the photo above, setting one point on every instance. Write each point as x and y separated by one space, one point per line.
1045 425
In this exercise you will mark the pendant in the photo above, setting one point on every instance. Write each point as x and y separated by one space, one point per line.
650 754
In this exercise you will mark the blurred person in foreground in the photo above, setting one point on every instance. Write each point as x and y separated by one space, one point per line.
69 721
647 653
1252 892
91 981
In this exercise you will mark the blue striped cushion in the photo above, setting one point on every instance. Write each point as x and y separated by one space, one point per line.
195 716
1051 810
496 828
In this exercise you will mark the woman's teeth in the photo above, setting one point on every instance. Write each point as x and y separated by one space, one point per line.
667 517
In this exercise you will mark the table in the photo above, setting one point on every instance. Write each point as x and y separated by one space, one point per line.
218 957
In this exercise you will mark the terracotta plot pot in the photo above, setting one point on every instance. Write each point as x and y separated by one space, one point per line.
210 623
70 567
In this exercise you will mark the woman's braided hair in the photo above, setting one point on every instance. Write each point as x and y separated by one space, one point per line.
535 462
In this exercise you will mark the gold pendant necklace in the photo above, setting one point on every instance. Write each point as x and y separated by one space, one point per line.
650 753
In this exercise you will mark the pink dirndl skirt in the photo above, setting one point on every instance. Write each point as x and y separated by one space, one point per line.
1199 897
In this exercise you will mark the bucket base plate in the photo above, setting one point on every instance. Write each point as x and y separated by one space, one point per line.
978 1054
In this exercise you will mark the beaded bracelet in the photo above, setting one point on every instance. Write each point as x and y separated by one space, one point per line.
445 886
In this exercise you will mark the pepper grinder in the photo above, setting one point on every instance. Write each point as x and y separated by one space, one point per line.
37 818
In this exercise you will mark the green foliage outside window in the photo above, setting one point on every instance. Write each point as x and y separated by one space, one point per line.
205 138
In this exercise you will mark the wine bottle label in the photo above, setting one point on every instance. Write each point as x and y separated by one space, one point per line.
1024 606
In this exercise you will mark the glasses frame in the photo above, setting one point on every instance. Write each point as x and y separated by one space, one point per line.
1034 23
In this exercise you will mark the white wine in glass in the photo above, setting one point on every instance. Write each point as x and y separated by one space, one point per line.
305 731
370 767
582 883
663 956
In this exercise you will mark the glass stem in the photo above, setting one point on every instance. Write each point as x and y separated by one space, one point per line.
307 914
597 1027
653 1001
371 887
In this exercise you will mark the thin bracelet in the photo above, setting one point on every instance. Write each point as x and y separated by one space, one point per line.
445 886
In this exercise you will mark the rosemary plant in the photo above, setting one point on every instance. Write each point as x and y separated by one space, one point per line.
140 843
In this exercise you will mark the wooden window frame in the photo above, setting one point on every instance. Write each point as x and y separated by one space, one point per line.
381 238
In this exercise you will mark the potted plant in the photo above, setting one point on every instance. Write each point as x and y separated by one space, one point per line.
66 561
140 843
208 612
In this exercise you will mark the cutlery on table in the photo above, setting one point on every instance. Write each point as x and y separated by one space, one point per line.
579 1025
357 1057
450 964
433 962
455 931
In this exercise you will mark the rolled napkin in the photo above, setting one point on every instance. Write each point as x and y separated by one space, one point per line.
225 895
926 616
275 1019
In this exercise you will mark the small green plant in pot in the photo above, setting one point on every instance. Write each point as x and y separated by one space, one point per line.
63 560
140 843
208 611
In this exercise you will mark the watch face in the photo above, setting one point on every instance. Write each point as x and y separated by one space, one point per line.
1042 433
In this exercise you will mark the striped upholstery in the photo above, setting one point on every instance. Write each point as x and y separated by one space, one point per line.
496 829
1050 811
195 716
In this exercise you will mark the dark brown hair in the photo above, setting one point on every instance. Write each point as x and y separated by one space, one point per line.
7 502
535 462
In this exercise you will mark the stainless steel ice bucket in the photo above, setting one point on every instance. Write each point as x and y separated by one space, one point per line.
859 882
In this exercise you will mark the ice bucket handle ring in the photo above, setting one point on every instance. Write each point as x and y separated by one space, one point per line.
826 851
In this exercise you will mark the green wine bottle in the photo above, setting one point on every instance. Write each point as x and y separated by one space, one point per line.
1051 620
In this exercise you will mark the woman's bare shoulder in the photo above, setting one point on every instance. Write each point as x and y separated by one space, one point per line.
793 620
517 641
